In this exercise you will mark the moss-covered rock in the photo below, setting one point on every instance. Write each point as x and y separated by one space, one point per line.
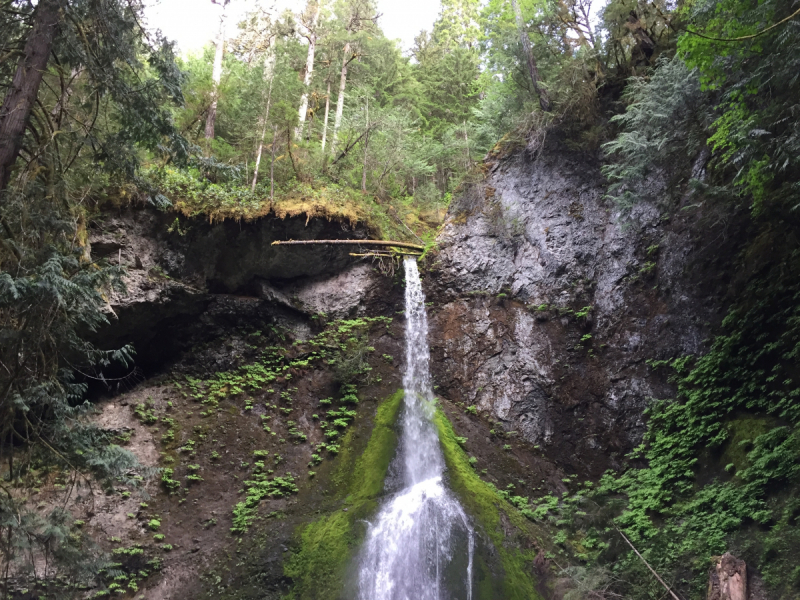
506 546
318 567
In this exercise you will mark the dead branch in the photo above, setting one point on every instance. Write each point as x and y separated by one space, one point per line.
348 242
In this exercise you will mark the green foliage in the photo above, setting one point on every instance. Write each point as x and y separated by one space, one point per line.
759 138
664 128
192 196
259 487
170 484
98 113
736 97
145 414
722 460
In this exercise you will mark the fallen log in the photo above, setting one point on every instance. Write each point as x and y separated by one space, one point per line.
349 242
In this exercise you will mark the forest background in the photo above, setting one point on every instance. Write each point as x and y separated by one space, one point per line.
316 111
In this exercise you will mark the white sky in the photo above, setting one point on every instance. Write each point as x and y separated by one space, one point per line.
192 23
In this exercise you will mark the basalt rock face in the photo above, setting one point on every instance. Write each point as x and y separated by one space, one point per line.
549 301
189 281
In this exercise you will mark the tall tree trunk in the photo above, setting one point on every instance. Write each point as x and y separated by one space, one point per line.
468 163
21 96
216 75
272 165
366 147
312 45
270 68
533 71
327 110
340 100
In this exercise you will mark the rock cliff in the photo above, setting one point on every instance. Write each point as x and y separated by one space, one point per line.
188 280
549 301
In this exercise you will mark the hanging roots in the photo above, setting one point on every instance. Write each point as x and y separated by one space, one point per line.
386 262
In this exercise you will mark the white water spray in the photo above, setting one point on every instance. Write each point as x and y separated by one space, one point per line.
421 544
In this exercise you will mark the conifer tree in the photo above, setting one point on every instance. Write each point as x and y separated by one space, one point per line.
107 99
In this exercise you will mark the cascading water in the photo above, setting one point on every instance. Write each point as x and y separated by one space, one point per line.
421 544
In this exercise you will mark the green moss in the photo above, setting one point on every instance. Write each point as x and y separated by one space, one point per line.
193 196
318 567
741 433
493 515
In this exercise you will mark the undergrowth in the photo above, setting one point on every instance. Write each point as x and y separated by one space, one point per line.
192 196
334 347
722 462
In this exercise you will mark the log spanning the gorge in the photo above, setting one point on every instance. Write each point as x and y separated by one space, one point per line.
382 243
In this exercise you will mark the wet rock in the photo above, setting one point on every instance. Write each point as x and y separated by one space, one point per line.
550 300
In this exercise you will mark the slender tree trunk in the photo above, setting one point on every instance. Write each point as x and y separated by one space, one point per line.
587 23
9 555
21 96
366 147
312 45
340 100
297 173
271 70
466 144
533 71
10 438
327 109
216 76
272 165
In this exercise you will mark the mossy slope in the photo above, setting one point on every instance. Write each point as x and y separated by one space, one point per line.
506 572
318 566
325 548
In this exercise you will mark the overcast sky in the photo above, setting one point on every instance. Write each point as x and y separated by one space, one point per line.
192 23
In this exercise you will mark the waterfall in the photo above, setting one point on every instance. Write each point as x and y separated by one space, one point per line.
420 545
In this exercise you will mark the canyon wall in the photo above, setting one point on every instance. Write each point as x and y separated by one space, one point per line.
549 301
545 302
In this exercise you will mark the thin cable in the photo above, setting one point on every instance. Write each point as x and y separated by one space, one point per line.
746 37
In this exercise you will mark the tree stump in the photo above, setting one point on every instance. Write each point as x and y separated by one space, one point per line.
727 579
